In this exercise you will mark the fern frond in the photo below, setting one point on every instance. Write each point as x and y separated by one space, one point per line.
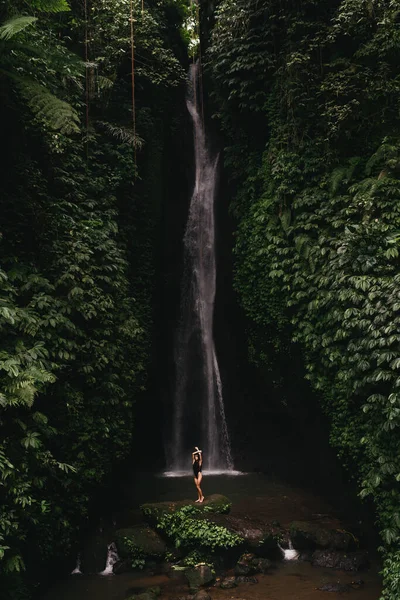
123 134
50 6
13 26
56 113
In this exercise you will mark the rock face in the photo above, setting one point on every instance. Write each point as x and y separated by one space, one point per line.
140 540
350 561
216 503
198 576
308 536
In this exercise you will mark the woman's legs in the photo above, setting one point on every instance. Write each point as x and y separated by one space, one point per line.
198 490
199 478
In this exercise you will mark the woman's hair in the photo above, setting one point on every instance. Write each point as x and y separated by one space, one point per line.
196 457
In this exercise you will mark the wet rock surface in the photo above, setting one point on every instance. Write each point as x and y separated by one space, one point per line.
202 595
199 576
228 583
249 564
216 503
331 559
144 539
149 594
246 579
258 536
306 535
341 588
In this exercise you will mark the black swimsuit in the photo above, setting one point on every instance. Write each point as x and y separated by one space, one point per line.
196 468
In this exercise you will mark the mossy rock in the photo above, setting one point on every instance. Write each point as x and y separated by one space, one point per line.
305 536
198 576
216 503
258 536
139 541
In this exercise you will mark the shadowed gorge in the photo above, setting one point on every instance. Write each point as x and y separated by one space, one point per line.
199 245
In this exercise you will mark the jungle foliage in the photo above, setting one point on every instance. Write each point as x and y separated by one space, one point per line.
79 213
307 96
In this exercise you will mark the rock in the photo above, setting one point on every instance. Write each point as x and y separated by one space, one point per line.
249 564
258 536
150 594
340 588
202 595
261 565
139 541
350 561
198 576
244 565
122 566
228 583
305 556
305 536
246 579
216 503
178 574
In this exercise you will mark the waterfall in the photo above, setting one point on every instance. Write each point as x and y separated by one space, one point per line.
112 558
199 414
289 553
77 570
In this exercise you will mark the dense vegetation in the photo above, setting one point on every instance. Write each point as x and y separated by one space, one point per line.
307 96
80 206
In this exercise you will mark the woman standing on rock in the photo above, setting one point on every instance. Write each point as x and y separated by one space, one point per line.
197 461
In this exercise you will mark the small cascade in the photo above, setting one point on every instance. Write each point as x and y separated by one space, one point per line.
289 553
77 570
112 558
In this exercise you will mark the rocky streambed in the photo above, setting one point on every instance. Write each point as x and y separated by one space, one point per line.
254 548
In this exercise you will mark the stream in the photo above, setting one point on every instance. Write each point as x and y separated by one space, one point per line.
253 495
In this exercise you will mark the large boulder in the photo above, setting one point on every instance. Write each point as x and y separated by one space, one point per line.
249 564
198 576
306 536
258 536
139 542
216 503
344 561
244 565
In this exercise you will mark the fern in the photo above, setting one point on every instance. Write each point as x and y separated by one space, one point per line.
13 26
56 113
123 134
50 6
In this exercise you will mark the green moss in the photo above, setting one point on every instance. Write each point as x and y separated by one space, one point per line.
138 544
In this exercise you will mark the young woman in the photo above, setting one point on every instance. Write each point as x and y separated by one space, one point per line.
197 461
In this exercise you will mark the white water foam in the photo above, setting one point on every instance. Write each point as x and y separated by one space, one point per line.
77 570
189 473
112 558
289 553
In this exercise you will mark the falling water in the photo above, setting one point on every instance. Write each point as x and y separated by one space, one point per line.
77 570
112 558
199 415
289 553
